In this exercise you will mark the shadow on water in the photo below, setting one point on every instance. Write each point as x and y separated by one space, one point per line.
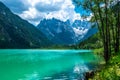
46 64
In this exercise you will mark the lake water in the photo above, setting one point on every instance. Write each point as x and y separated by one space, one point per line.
26 64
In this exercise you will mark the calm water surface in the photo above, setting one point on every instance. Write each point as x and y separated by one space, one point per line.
29 64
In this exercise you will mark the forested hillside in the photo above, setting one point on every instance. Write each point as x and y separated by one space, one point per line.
18 33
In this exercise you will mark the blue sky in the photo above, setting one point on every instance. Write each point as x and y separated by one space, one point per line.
36 10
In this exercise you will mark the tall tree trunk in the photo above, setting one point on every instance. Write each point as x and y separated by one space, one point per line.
112 34
117 28
107 54
104 31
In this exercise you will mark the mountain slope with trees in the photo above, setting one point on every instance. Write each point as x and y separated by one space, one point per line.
18 33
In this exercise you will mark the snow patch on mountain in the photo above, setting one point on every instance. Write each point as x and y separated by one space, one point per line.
65 33
79 31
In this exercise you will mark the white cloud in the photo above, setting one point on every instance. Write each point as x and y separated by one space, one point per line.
36 10
59 9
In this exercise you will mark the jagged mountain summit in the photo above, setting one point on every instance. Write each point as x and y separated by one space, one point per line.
18 33
65 33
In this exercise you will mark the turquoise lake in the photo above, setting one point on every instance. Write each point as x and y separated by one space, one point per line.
35 64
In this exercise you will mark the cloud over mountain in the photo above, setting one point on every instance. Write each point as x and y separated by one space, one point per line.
36 10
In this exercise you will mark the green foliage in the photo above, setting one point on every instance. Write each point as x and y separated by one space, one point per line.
59 47
99 51
111 71
91 43
106 15
18 33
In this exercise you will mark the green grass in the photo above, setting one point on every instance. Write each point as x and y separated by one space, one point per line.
110 71
98 51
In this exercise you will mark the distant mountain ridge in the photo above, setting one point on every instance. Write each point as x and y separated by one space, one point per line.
18 33
57 31
64 33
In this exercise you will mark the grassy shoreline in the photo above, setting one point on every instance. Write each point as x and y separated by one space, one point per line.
110 71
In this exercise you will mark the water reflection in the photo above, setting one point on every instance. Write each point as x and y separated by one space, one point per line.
45 64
